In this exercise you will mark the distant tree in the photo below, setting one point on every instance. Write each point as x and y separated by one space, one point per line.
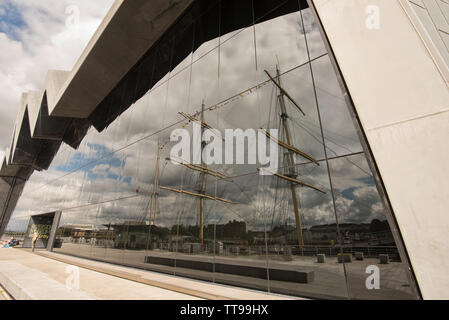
377 225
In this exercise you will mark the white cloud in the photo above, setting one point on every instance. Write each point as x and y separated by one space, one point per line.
42 42
101 169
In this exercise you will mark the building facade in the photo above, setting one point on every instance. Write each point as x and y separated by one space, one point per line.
357 93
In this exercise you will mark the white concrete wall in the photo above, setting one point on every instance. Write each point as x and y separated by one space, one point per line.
431 20
402 99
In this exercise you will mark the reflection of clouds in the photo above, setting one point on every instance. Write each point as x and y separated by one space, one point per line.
280 41
338 126
365 206
314 41
237 64
322 213
316 208
104 169
110 166
357 199
350 172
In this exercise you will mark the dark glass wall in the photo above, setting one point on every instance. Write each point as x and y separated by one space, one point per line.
324 238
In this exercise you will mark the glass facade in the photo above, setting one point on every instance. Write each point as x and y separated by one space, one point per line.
125 202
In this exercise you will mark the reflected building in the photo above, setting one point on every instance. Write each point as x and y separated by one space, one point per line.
223 65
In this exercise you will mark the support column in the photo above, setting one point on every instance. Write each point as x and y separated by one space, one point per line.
54 229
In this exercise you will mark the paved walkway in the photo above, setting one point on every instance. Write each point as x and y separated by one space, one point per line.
52 276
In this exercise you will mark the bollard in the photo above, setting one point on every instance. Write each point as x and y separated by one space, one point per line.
345 257
384 258
320 258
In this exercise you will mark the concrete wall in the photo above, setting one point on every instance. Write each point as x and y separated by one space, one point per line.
431 20
402 99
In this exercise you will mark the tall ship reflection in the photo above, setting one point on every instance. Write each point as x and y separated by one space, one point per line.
192 238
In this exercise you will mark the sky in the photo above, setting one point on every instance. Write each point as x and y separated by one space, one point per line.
36 36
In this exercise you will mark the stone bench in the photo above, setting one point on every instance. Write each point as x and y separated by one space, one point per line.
241 268
384 259
321 258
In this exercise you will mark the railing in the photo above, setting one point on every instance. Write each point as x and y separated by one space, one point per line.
281 252
286 252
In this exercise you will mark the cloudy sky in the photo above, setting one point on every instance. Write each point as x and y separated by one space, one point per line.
36 36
